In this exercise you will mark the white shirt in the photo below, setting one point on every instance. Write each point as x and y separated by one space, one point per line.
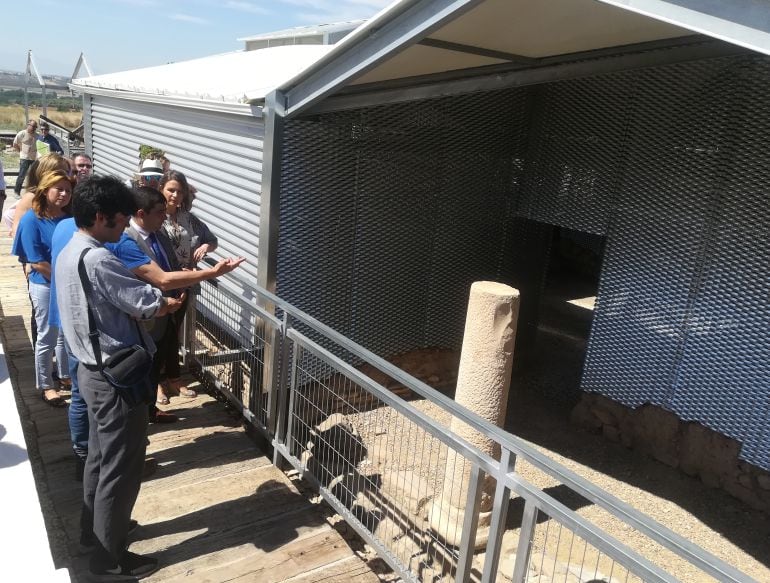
28 143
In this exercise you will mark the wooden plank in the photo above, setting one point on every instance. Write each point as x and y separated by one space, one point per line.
273 553
348 570
215 509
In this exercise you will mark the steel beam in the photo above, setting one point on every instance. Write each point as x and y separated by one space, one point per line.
267 255
546 71
267 258
480 51
745 23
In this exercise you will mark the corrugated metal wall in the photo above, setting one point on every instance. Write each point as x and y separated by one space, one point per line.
388 213
221 154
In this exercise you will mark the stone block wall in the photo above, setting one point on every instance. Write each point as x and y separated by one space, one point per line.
689 446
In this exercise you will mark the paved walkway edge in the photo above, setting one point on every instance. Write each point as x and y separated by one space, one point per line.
23 539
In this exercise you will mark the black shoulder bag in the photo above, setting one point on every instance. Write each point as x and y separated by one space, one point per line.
127 369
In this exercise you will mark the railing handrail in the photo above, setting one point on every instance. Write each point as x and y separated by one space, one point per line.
437 430
698 556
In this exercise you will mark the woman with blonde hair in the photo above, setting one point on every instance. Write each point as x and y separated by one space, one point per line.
50 204
43 165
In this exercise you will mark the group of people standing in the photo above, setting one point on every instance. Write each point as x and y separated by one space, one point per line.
26 143
109 267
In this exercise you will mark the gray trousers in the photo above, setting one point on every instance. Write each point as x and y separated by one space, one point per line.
117 441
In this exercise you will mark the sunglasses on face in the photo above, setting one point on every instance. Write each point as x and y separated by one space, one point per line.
84 165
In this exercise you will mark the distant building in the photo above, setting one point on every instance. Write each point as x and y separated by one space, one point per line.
318 34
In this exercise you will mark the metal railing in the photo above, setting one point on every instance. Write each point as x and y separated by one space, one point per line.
392 462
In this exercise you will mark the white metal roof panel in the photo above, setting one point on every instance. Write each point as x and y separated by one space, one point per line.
237 77
305 30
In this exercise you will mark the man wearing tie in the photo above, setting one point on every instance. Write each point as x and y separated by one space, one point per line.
163 270
135 252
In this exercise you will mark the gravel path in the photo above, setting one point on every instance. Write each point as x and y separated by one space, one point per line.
708 517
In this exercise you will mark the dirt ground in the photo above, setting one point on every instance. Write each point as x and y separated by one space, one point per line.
541 398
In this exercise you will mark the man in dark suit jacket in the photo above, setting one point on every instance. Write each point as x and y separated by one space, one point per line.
162 270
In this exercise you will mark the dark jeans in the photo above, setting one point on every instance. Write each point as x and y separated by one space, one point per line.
78 413
23 167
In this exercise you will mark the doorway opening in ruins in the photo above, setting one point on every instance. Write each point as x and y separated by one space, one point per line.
551 367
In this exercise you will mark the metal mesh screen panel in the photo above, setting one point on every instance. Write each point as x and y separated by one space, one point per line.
679 320
576 151
389 214
723 380
655 244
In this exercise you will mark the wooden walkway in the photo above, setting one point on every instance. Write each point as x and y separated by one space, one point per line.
215 509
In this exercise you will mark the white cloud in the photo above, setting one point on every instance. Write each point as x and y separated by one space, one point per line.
188 18
249 7
325 11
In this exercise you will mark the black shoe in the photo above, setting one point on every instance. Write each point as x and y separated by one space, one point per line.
130 568
88 539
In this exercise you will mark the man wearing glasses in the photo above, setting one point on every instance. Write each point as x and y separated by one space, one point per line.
84 167
151 173
47 138
25 144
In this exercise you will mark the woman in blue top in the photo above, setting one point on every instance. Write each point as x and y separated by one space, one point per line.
50 205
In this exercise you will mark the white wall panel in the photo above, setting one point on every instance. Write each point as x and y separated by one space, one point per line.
220 153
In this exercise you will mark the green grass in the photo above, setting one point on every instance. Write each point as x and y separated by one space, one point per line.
10 160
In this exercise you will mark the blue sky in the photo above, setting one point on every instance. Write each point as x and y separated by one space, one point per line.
126 34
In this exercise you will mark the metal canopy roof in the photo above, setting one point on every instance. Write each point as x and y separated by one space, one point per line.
305 30
226 82
415 38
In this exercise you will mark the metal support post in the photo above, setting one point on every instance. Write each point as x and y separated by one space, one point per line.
524 548
271 191
286 399
499 516
279 401
470 524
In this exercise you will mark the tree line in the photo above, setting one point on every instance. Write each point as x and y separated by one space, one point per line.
16 97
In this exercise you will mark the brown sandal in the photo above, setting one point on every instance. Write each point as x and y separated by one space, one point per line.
161 398
56 401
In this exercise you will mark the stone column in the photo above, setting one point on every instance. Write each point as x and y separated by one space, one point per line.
483 382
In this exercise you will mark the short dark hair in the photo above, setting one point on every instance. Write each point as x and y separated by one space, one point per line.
101 194
82 155
146 198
